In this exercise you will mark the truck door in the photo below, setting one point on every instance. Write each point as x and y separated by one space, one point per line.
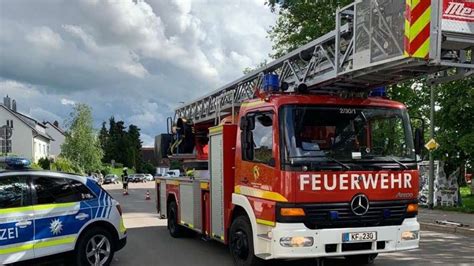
257 167
16 220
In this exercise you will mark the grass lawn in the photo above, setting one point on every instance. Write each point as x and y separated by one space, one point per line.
119 171
467 202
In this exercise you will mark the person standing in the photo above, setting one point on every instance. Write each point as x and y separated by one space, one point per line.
125 181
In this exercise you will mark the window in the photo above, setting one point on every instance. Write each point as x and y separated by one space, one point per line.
260 138
81 189
5 137
319 133
13 192
5 146
60 190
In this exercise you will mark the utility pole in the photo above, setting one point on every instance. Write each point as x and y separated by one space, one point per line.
431 165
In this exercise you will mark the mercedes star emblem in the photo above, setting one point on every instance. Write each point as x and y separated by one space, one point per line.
360 204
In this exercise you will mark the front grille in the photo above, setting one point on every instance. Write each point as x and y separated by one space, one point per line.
356 246
339 215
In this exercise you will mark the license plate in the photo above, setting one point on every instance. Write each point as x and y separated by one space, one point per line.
359 236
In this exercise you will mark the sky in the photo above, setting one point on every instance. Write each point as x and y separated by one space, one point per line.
134 60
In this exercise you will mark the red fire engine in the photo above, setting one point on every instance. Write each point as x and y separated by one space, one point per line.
306 157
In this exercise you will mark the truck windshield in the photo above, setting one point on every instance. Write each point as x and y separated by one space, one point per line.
348 134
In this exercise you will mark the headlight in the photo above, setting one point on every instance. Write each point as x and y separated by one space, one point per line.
410 235
296 241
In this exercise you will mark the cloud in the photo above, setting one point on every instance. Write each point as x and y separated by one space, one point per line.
45 38
135 60
67 102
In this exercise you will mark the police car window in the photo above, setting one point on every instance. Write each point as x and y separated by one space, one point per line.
13 192
81 189
55 190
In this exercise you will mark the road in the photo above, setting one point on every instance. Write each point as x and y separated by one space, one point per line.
150 244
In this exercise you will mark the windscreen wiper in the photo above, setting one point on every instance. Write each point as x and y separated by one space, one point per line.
398 162
347 167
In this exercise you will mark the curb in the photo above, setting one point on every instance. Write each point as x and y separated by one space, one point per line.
447 229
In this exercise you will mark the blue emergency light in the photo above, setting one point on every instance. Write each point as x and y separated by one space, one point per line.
334 215
378 92
16 162
271 82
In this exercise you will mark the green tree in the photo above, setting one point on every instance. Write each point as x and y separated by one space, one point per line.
104 138
134 148
121 145
82 146
148 168
44 163
116 144
62 164
300 21
454 122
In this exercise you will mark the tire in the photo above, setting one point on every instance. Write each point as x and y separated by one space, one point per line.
175 229
364 259
85 246
241 243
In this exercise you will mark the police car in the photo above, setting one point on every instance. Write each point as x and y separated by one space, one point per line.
44 213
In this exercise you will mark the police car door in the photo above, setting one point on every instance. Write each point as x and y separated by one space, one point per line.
16 219
60 213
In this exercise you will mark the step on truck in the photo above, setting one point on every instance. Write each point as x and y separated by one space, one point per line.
306 157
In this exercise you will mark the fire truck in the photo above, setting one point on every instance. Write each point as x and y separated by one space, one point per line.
306 157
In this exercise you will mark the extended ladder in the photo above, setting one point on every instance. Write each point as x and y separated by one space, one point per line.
375 43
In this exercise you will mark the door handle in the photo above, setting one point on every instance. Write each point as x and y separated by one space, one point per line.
23 224
81 216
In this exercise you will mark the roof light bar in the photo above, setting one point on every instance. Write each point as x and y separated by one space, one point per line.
15 162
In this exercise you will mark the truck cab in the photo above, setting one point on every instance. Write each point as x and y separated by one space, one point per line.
327 176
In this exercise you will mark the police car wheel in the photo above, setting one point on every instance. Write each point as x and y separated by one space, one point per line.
95 248
241 243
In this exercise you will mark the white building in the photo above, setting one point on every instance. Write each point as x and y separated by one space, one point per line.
24 136
57 134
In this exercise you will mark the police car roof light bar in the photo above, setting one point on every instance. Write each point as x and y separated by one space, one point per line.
15 162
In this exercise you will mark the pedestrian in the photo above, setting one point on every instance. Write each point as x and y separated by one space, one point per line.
125 181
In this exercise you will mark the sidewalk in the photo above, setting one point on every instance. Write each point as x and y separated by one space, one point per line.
427 218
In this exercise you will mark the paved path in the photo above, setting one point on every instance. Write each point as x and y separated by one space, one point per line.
150 244
431 216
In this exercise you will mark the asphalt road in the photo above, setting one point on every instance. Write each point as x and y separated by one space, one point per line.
150 244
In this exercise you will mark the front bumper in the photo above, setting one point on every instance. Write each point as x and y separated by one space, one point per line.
328 242
121 243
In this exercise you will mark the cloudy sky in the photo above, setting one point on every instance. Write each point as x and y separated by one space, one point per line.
135 60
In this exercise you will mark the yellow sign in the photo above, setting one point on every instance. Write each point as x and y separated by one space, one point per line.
432 145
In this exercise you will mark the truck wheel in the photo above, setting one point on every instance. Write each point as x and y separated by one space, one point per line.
173 226
365 259
241 243
95 247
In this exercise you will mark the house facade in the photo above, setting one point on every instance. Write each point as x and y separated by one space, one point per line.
23 136
53 130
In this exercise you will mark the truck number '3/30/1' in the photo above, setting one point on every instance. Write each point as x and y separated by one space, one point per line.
8 233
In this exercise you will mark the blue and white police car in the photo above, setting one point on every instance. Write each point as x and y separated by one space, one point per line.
44 213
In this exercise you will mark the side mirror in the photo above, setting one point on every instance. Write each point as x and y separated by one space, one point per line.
419 141
248 149
246 140
251 123
243 123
